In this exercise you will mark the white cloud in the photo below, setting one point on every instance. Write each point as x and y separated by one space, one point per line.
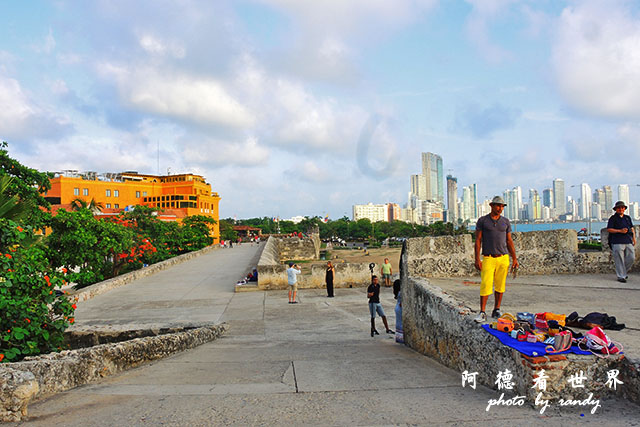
182 96
247 153
597 58
153 45
22 119
485 11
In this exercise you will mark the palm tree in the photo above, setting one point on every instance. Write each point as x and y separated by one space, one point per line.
11 207
78 204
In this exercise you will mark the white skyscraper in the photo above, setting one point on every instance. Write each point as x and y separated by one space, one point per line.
585 201
559 201
623 193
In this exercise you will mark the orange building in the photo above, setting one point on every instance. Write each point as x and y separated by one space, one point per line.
175 196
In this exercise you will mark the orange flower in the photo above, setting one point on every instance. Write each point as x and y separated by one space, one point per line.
64 270
8 256
73 306
1 357
71 320
28 321
20 229
50 292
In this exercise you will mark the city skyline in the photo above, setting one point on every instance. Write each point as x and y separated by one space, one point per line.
294 107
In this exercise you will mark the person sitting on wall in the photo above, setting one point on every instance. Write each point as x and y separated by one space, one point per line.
254 275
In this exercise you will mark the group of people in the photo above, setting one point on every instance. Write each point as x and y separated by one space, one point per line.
492 249
373 292
493 241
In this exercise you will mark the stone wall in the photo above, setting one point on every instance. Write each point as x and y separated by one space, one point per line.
272 273
539 252
38 377
437 325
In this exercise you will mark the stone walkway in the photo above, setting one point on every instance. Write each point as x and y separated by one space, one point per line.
308 363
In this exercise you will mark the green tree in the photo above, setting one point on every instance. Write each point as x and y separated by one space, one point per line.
79 203
33 316
88 247
28 186
226 230
196 232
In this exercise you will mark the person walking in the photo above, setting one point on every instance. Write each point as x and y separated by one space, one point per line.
373 292
622 239
386 272
328 278
493 235
292 279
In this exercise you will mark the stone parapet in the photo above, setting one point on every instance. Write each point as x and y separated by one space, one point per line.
272 274
38 377
539 252
437 325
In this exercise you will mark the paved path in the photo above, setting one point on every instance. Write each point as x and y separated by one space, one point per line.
302 364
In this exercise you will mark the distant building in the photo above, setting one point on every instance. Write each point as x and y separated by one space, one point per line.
547 198
394 212
419 187
608 199
559 201
452 197
634 211
434 177
175 196
585 201
534 206
513 199
373 213
623 193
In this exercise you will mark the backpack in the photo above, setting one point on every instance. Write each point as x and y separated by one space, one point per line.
597 342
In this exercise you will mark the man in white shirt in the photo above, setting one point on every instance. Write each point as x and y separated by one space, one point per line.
292 278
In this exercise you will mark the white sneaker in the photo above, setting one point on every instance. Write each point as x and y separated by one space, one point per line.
481 317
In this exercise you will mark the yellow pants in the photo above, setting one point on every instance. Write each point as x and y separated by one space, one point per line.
494 272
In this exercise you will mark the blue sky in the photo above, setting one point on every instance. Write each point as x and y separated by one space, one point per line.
268 98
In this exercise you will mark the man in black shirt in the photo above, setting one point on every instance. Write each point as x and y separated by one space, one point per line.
373 293
622 240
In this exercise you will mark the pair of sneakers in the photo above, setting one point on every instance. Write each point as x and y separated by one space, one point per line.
482 316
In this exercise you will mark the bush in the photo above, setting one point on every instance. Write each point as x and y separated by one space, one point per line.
33 315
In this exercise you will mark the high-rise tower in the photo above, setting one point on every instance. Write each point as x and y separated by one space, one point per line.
559 201
434 176
452 198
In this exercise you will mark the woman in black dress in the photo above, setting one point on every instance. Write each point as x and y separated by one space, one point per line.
328 278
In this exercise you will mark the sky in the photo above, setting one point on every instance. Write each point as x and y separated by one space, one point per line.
296 107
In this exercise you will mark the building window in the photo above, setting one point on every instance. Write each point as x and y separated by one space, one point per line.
117 206
137 194
108 193
116 193
144 193
76 191
85 191
108 204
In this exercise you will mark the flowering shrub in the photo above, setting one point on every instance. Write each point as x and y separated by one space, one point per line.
33 316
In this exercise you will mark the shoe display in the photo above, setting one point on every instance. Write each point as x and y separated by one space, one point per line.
496 313
481 317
